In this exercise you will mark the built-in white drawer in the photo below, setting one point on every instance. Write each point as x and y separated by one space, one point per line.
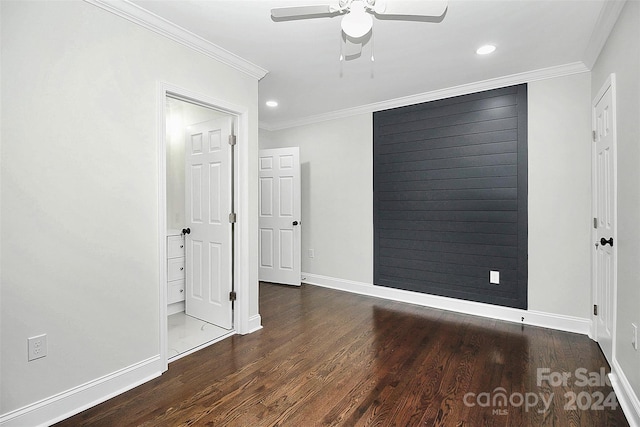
175 269
175 291
175 246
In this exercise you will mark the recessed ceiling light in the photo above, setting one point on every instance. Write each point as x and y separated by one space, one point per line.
486 49
272 103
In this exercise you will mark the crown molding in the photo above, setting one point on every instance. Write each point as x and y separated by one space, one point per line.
161 26
604 25
495 83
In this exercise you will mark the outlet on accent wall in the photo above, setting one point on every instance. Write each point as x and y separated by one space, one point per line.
494 277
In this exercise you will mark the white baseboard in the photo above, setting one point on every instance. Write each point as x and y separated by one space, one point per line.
63 405
627 399
174 308
527 317
255 323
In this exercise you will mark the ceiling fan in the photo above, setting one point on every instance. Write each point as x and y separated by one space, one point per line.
357 21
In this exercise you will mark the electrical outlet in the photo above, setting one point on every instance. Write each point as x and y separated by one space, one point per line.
494 277
37 347
634 336
311 253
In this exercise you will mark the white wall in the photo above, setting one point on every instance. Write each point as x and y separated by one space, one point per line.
79 177
338 201
175 140
336 163
560 195
621 55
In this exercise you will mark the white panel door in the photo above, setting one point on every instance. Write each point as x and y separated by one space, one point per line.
604 195
279 216
208 204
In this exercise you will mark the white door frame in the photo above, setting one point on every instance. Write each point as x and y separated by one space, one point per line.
241 321
610 82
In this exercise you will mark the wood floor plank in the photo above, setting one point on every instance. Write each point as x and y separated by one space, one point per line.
329 358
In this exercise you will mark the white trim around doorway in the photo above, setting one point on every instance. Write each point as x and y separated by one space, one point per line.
241 321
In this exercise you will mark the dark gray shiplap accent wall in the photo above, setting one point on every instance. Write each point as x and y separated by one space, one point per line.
450 197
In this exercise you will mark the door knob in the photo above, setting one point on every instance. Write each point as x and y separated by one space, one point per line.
603 241
186 231
295 223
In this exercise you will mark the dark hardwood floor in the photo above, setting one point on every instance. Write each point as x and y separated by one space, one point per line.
326 357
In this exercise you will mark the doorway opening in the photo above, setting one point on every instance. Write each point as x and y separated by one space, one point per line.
199 166
216 259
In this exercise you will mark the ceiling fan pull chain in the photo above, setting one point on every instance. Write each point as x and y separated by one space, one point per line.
342 42
373 63
373 35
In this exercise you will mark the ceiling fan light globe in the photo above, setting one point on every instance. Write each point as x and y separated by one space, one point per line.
357 25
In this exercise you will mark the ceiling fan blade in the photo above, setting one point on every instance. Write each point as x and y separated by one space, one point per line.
411 7
300 11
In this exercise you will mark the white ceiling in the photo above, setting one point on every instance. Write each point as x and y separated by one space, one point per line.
411 57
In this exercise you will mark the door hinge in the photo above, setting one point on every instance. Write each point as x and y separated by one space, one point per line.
595 310
595 222
232 140
232 296
232 218
593 133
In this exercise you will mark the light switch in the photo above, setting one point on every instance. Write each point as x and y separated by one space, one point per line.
494 277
